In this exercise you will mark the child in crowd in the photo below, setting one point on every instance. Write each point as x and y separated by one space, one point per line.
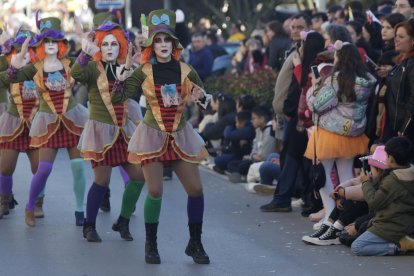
349 202
238 141
393 204
263 144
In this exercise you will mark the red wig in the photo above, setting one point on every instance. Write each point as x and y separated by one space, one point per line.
32 53
122 40
63 49
148 53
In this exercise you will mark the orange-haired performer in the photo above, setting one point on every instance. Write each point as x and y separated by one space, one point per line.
164 138
60 120
15 125
105 138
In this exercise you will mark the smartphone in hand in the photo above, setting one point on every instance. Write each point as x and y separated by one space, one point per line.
315 72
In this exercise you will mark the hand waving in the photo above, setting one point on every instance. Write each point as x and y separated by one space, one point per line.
19 60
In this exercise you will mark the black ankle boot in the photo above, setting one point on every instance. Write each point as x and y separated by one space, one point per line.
122 226
89 232
13 203
151 250
195 247
106 204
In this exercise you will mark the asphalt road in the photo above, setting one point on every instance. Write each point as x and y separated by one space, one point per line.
239 239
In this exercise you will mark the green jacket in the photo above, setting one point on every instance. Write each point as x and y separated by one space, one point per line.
34 71
3 88
393 204
94 76
142 80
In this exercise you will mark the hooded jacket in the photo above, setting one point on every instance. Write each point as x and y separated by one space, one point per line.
393 204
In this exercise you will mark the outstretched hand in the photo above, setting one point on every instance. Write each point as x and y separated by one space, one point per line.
129 58
19 60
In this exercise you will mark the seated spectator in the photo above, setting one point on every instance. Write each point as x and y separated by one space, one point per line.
350 203
393 204
238 140
226 113
263 144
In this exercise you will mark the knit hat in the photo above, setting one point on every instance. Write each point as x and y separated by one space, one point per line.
378 159
161 21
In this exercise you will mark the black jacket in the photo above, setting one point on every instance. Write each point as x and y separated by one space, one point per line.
399 101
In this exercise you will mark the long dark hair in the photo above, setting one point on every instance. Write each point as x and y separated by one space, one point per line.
313 45
349 66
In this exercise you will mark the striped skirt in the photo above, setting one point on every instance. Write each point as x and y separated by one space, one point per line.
62 138
20 143
115 156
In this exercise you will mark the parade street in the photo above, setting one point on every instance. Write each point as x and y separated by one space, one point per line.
239 239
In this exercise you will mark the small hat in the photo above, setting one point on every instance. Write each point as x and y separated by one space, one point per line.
161 21
49 27
378 159
18 40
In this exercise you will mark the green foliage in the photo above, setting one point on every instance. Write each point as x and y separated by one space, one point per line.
259 84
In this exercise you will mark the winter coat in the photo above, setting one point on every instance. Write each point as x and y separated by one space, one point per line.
340 117
393 204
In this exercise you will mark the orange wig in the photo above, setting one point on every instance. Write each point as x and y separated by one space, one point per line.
33 56
122 40
148 53
63 49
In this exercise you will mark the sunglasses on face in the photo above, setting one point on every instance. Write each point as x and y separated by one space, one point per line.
165 40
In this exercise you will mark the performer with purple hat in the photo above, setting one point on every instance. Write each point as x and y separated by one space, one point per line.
105 137
60 120
15 123
164 138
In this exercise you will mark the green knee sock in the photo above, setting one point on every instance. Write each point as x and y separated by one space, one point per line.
129 199
79 184
152 209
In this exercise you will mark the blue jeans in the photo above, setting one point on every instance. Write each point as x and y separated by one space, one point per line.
287 181
269 171
369 244
223 160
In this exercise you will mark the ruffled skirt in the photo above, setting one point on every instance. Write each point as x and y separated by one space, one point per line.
330 145
98 138
46 125
14 133
3 107
151 145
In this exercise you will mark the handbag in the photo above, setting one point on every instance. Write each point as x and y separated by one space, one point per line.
317 171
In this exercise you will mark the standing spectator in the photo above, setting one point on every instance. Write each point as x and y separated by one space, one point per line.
201 57
405 7
279 43
212 44
318 21
372 33
340 104
332 11
236 34
399 98
300 22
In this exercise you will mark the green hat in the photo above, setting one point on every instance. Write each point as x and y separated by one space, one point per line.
161 21
50 27
101 17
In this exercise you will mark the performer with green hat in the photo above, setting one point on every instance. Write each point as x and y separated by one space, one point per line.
164 138
15 124
60 120
105 137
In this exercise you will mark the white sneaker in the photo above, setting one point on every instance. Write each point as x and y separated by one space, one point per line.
317 216
297 203
264 189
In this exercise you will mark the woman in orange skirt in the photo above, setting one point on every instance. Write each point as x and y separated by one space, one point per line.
339 104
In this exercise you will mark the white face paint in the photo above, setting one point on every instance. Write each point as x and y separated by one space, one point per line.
51 47
163 47
110 49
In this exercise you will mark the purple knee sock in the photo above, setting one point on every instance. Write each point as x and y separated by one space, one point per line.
39 182
6 184
124 175
195 209
95 195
